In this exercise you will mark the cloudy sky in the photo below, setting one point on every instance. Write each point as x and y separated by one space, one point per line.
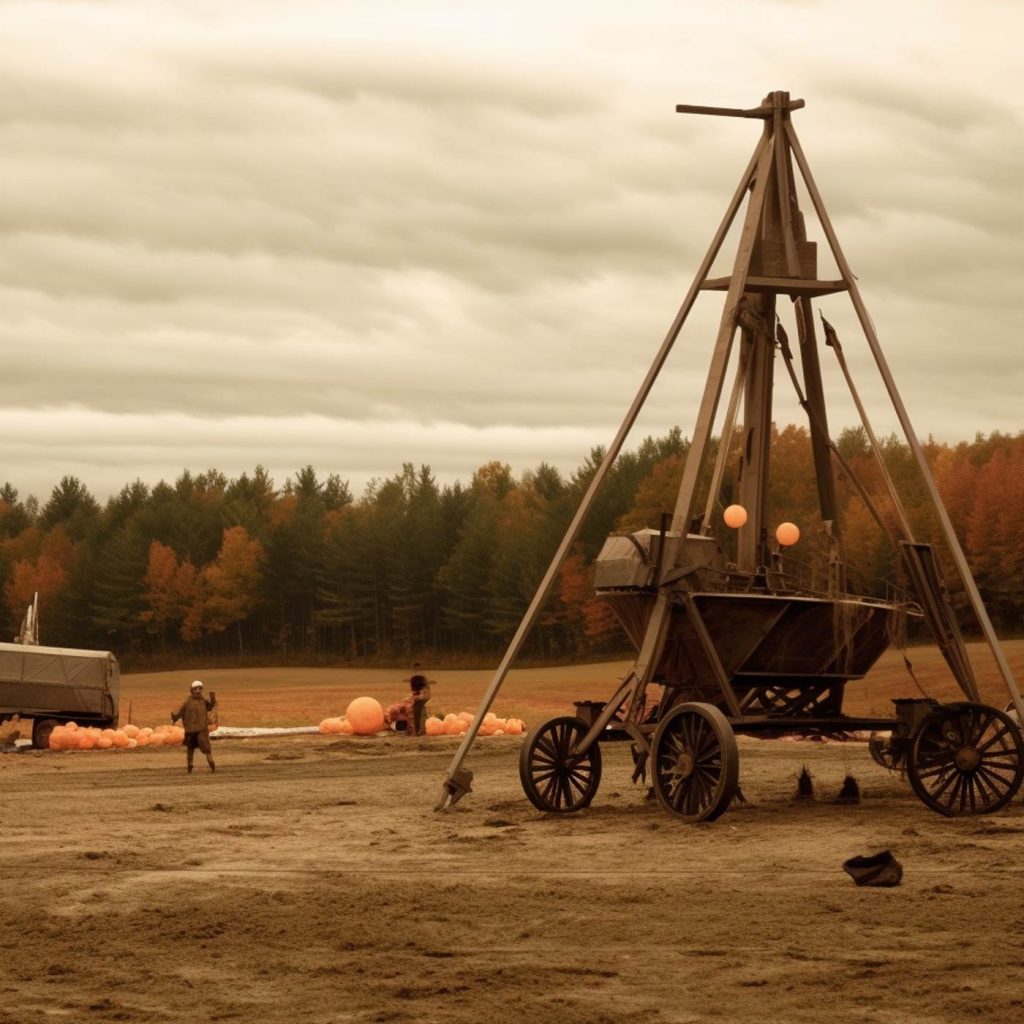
355 234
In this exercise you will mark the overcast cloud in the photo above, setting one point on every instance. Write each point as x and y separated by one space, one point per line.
357 234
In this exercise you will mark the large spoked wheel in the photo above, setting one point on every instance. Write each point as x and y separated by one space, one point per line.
696 763
967 759
553 777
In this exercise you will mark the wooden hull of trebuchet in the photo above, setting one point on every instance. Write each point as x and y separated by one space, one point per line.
762 640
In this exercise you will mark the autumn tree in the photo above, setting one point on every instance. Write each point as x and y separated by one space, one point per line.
170 590
227 588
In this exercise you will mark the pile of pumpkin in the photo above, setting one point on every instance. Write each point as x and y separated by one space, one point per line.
364 717
79 737
492 725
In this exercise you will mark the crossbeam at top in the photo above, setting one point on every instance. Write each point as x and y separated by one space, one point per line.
764 111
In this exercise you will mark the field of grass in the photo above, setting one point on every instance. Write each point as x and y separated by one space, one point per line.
304 696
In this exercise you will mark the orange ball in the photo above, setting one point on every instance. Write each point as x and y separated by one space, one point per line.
365 715
735 516
104 743
434 726
514 727
787 534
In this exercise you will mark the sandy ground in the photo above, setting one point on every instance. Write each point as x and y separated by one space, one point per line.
310 880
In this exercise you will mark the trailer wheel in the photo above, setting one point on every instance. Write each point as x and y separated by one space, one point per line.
41 729
967 759
883 752
696 762
553 777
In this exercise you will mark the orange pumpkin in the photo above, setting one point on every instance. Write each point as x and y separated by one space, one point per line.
365 715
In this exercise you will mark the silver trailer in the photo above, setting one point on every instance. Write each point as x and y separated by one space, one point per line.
52 685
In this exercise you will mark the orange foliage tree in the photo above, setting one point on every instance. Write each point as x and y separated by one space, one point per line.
227 588
40 562
170 588
589 619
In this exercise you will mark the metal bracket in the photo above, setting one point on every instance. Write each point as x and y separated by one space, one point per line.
454 788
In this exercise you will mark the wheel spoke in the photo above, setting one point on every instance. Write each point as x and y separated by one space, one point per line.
1010 756
578 780
939 771
976 729
953 776
690 730
953 793
1006 763
1001 731
545 746
548 789
678 792
986 791
965 791
997 782
704 789
674 743
561 744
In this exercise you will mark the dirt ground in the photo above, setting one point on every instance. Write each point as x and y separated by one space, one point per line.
310 880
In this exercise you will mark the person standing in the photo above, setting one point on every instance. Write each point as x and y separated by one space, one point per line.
419 686
194 716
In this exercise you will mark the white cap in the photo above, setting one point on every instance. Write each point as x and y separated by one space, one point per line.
197 684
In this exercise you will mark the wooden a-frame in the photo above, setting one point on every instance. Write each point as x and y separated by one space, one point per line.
773 259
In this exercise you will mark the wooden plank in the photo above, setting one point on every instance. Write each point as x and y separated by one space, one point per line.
762 112
779 285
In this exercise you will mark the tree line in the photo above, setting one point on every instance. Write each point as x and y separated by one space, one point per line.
242 569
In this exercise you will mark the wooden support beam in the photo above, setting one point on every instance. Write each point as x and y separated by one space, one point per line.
952 541
792 286
765 113
453 787
717 669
